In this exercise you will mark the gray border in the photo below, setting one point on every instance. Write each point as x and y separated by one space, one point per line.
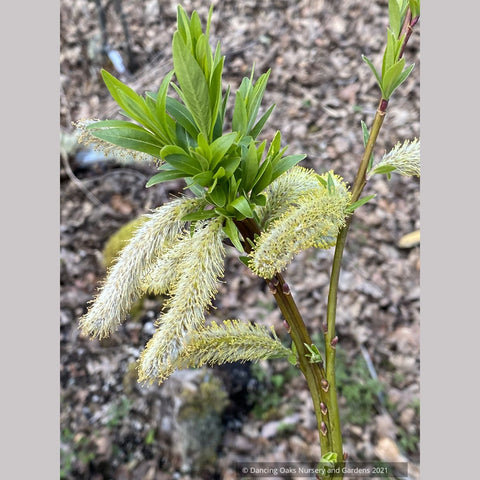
29 36
449 246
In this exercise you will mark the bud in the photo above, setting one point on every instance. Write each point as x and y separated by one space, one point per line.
323 408
324 384
323 429
286 289
334 342
271 287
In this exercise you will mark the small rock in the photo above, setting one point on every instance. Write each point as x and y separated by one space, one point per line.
386 450
407 418
385 426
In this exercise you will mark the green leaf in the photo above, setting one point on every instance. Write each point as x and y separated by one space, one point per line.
259 199
394 15
250 167
218 195
391 77
230 165
161 108
414 7
373 69
182 115
401 78
220 147
255 131
192 83
285 163
180 160
256 98
215 89
245 260
204 179
389 56
241 205
231 231
127 135
352 207
164 176
263 179
384 169
201 215
132 104
239 120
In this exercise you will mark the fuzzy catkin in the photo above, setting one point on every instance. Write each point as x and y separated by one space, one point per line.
123 283
285 191
234 341
313 222
405 158
200 267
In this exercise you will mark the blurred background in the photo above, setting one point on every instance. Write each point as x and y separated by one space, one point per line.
199 424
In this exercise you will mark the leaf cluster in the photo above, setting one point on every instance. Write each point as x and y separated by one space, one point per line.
394 72
187 131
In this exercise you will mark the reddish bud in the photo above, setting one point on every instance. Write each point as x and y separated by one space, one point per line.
287 326
272 287
334 342
286 289
323 408
324 384
323 429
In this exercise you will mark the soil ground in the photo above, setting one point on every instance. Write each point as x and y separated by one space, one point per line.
112 428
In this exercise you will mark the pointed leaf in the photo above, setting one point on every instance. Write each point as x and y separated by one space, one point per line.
129 136
256 130
164 177
352 207
285 163
182 115
241 205
192 83
231 231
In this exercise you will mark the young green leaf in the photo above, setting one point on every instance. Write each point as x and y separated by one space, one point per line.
353 206
241 205
194 87
240 118
164 176
384 169
182 115
231 231
373 69
394 15
220 147
127 135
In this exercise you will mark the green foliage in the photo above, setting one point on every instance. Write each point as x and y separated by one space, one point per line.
359 389
118 411
229 169
393 72
267 398
74 450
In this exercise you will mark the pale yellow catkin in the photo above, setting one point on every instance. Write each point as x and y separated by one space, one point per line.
234 341
313 221
200 268
123 286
